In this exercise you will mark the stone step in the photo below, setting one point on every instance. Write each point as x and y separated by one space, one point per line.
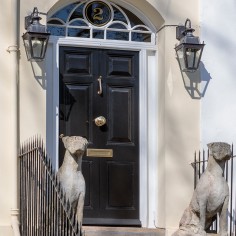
121 231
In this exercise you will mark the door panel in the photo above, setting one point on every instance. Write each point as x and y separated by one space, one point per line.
120 97
120 66
78 63
112 184
117 187
79 109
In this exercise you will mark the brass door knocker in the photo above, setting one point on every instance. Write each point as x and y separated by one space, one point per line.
100 85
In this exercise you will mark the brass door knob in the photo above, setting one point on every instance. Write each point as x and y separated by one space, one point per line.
100 121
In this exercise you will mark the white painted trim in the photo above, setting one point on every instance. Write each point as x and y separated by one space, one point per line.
52 103
152 138
87 42
143 140
148 115
148 138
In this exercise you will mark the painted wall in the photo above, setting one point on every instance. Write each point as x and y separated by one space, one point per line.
179 119
7 127
33 82
179 138
218 105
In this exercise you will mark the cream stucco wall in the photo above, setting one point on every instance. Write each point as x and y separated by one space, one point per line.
7 127
179 119
178 136
218 105
178 113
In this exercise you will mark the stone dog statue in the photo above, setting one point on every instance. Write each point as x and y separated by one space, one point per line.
210 197
70 173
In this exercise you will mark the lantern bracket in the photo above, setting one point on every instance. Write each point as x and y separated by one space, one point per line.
29 18
182 30
32 23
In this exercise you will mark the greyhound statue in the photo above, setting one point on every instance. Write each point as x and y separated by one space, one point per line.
210 197
70 173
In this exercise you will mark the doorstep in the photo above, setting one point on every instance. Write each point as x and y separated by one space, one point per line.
121 231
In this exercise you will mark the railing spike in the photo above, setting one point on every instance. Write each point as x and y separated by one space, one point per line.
64 199
68 205
72 219
49 161
54 175
46 160
62 194
59 185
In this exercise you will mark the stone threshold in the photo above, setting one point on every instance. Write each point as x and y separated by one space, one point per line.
121 231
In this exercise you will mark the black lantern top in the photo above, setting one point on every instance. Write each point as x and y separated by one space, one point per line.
189 50
36 37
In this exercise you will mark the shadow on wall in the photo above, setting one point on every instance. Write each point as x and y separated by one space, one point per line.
38 69
196 83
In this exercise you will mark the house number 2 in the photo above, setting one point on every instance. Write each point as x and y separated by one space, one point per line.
98 13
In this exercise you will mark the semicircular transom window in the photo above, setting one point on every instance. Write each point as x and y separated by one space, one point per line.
99 20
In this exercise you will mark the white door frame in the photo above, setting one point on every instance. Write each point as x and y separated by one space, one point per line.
147 111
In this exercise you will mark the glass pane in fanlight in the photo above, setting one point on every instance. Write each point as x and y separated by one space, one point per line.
57 30
117 26
118 15
134 20
54 22
77 32
64 12
98 34
78 12
118 35
141 37
78 23
38 47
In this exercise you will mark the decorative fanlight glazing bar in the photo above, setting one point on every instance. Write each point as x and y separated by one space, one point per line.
99 20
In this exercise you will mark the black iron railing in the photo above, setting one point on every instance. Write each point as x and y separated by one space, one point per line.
43 206
199 165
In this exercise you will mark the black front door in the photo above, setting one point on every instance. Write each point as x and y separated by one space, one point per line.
95 83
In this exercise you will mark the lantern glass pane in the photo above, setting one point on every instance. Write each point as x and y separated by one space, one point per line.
27 48
192 58
181 59
38 47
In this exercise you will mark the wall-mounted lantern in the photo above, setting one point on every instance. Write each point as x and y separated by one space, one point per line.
36 37
189 50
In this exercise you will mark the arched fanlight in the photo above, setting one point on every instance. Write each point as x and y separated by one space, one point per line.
36 37
189 50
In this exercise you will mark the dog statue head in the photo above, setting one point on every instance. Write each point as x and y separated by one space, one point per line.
76 145
220 151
